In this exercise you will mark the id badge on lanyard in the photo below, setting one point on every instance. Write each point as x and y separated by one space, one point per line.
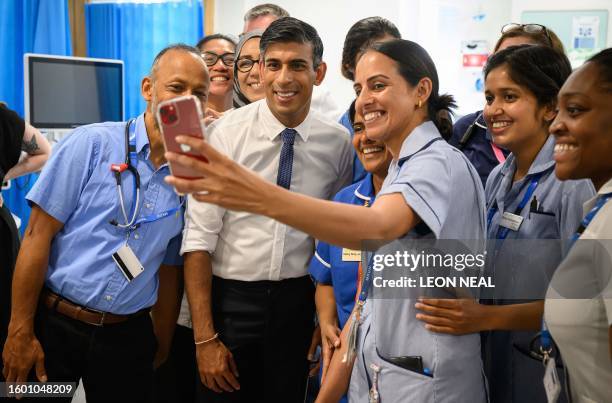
552 385
512 221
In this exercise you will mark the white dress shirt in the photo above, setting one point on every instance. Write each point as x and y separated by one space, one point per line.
323 102
251 247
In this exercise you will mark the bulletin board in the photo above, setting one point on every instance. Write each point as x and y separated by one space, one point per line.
583 32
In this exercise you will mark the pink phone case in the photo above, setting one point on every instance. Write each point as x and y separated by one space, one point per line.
181 116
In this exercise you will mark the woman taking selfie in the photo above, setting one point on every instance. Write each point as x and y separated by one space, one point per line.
431 191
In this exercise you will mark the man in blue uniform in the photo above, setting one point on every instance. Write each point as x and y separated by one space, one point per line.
92 250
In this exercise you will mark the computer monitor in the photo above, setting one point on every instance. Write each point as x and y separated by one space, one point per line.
66 92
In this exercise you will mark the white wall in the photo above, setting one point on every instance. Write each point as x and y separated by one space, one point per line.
518 6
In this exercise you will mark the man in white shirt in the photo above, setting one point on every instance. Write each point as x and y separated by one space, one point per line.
251 299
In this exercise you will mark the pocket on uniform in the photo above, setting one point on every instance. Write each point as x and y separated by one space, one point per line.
541 225
396 384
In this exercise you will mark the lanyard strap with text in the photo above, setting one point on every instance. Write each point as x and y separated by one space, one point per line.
158 216
366 281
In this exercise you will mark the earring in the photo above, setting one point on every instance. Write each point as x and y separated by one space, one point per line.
419 104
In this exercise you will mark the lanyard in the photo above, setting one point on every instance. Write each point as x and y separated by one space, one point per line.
131 162
359 268
159 216
602 199
499 154
545 339
132 157
366 281
503 232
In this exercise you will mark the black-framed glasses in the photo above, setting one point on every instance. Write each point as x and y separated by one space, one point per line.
528 28
245 64
211 58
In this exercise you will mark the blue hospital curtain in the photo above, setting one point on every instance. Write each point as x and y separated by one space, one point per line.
28 26
135 33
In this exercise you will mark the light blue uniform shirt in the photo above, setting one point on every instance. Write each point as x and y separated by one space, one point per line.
78 188
444 190
522 270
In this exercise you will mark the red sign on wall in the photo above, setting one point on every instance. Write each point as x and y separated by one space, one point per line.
474 60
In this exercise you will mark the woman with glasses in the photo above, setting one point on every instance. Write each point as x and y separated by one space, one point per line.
470 133
218 53
247 85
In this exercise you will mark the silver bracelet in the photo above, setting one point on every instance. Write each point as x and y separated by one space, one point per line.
197 343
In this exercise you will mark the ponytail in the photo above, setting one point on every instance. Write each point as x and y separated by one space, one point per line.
439 108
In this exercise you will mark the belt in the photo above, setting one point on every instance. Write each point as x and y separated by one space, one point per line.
59 304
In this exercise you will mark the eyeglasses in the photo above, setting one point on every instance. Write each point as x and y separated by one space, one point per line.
527 28
245 65
211 58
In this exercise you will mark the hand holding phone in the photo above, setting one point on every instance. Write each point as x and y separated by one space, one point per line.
181 116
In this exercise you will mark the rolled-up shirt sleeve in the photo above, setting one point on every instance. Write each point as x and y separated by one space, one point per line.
58 189
203 221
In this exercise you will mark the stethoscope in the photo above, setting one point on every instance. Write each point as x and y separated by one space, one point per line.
131 161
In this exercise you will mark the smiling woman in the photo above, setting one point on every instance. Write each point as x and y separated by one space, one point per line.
247 83
581 321
218 53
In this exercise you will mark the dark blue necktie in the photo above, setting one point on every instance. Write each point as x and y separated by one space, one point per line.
286 159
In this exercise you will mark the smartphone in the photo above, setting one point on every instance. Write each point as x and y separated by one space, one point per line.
181 116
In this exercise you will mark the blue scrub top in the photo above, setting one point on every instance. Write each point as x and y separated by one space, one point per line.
327 265
559 202
442 187
78 188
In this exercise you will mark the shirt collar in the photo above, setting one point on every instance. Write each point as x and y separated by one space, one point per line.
365 190
142 139
606 188
589 204
274 127
418 138
543 161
